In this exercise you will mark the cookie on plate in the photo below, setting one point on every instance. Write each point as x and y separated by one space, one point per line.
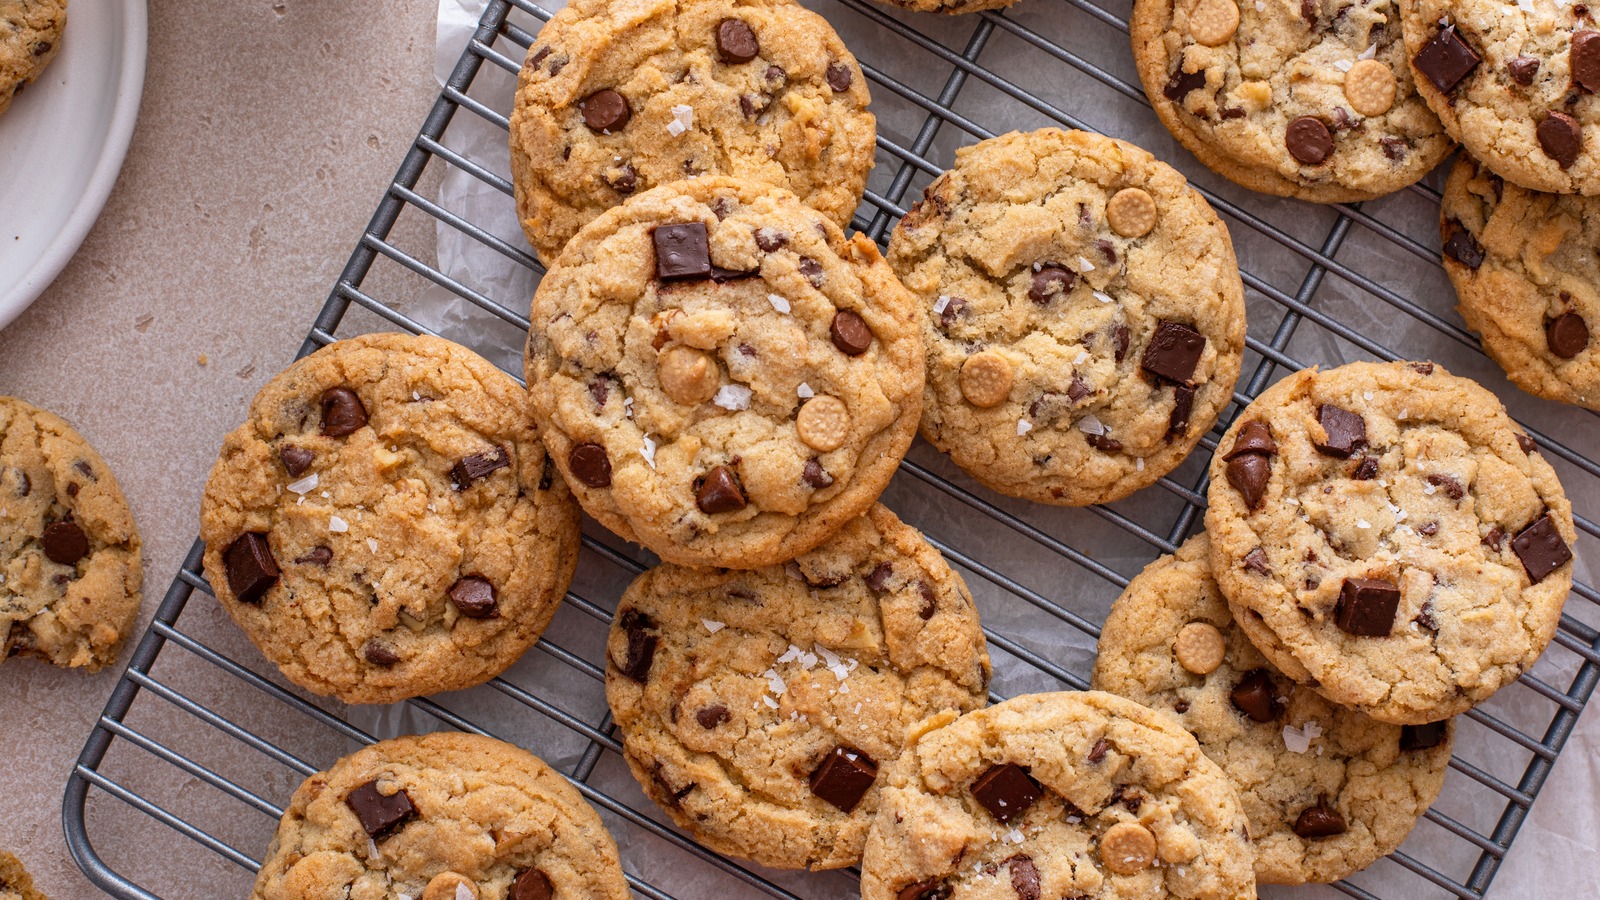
70 572
1385 534
1327 790
15 884
1082 310
617 97
30 36
1512 82
721 375
386 523
1526 268
1057 795
757 707
1299 98
440 817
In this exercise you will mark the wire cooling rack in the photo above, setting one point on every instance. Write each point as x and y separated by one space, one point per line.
1324 283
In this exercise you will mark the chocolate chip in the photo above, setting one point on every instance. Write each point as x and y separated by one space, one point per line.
1446 59
380 816
65 543
1255 696
839 77
1119 339
600 387
251 569
682 251
1567 334
1394 149
1421 368
1098 751
932 889
1006 791
723 276
850 333
718 491
1182 409
736 41
318 556
1249 474
1256 561
953 310
1461 246
1309 10
1422 737
1448 484
775 74
342 412
711 716
844 777
1367 607
1526 443
1541 548
478 466
24 483
1319 821
812 270
1182 83
1107 249
295 459
605 111
73 489
1494 538
40 48
590 465
532 884
1561 138
1103 444
751 106
770 239
1584 59
474 596
1024 876
538 56
1424 617
1366 469
379 654
626 181
641 645
815 475
1174 352
1049 281
1308 140
557 64
1523 68
1428 529
1181 707
1346 431
1076 391
1255 436
930 602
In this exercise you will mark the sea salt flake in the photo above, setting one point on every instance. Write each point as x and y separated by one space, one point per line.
1369 53
1014 836
805 391
940 304
780 304
1081 358
732 396
1429 489
338 525
1342 65
372 849
775 682
1103 297
1363 523
1298 740
648 451
627 407
372 545
1138 463
857 709
712 625
305 485
682 119
1023 427
1091 425
1084 265
771 703
465 893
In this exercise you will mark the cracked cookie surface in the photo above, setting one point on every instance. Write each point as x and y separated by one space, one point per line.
30 36
619 96
721 374
1299 98
1171 644
1385 534
1526 269
1082 310
385 524
440 817
70 570
1057 795
736 690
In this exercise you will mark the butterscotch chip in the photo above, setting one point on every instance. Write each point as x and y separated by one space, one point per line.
986 379
449 886
1213 22
1131 212
823 423
1127 848
1200 648
687 375
1370 87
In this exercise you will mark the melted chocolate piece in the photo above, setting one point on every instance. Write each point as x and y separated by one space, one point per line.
1006 791
844 778
1367 607
251 569
380 816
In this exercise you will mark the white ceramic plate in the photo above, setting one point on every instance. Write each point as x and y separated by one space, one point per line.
62 143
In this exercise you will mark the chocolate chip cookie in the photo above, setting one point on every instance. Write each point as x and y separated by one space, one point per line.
386 523
70 572
1513 83
1526 268
1078 794
1386 535
1299 98
721 374
757 707
616 98
1082 310
15 884
1328 790
30 35
440 817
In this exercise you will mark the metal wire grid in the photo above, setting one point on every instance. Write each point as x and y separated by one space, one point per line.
1464 870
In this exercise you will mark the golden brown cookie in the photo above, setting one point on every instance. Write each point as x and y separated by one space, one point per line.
30 36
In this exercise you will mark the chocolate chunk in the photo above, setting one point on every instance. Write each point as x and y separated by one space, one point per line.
1308 140
1366 469
1098 751
1255 696
932 889
590 465
1494 538
1006 791
775 74
1249 475
711 716
850 333
1309 10
379 654
683 251
1448 484
1024 876
1367 607
930 602
641 645
474 596
1523 68
73 489
600 387
723 276
1422 737
1254 436
626 181
1076 391
1107 249
532 884
736 41
295 459
1526 443
953 310
1103 444
251 569
1346 431
770 239
478 466
1424 617
751 106
1256 561
1182 83
878 578
605 111
815 475
1560 137
718 491
381 816
1541 548
65 543
1421 368
1049 281
1119 339
1394 149
1182 409
1174 352
1319 821
24 483
342 412
1446 59
1567 334
1461 246
1428 529
1181 707
1584 59
318 556
844 777
839 77
538 56
811 269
